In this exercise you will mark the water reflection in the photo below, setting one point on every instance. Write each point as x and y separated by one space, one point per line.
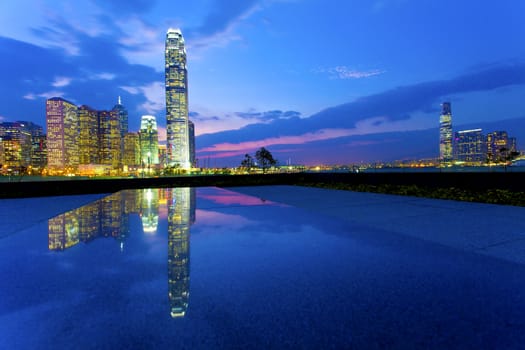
109 217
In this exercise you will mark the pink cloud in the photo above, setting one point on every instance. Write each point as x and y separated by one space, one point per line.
323 134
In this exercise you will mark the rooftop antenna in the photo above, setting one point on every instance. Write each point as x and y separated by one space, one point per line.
119 101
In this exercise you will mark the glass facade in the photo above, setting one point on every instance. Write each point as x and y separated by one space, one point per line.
470 147
109 139
445 133
176 76
62 135
88 136
131 155
149 141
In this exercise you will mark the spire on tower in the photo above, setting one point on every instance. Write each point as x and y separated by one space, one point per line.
119 101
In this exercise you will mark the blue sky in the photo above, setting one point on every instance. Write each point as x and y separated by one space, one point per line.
314 81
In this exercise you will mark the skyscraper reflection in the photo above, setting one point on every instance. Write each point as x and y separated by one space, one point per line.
109 217
180 216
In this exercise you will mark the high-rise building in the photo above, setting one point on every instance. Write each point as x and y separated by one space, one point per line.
122 115
17 141
498 146
149 141
131 154
470 147
62 135
176 76
38 145
445 134
88 136
109 139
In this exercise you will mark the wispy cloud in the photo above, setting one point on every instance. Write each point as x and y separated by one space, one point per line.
207 124
46 95
61 81
323 134
218 28
103 76
154 95
344 72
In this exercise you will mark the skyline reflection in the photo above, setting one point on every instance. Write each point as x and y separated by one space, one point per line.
109 217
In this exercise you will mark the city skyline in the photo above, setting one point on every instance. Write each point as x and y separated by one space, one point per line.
354 84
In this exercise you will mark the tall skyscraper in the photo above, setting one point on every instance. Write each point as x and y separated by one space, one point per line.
109 139
62 135
176 74
445 133
88 136
122 115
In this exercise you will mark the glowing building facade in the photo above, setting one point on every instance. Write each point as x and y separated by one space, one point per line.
470 147
88 136
62 135
149 141
131 154
445 134
176 75
17 144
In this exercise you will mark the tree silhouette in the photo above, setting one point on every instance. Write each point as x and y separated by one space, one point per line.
264 158
247 162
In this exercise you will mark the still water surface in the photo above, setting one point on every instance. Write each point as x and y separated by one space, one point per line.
212 268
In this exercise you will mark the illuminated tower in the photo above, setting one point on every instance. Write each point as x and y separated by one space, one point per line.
176 74
122 115
149 141
62 135
88 136
445 133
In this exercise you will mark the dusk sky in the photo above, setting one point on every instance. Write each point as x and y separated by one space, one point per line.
314 81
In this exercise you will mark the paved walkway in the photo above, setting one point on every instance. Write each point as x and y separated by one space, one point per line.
494 230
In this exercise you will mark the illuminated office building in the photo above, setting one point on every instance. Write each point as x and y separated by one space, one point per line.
17 143
122 116
131 153
500 146
38 145
11 152
62 135
149 141
88 136
470 147
445 133
179 219
109 139
176 76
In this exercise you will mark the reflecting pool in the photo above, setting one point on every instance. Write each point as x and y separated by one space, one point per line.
214 268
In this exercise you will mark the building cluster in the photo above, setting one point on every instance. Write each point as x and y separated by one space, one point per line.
472 147
84 141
